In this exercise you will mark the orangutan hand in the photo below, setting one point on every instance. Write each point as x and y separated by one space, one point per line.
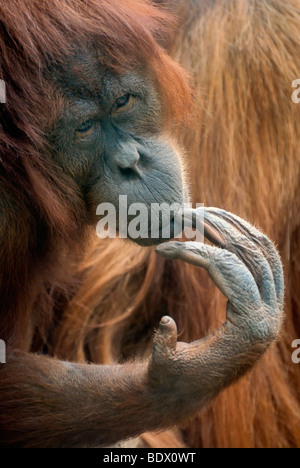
247 269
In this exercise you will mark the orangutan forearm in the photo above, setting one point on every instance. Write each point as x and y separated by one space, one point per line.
47 403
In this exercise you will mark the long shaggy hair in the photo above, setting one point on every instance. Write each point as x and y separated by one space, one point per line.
43 233
244 156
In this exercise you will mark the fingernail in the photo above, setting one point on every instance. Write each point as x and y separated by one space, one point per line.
165 320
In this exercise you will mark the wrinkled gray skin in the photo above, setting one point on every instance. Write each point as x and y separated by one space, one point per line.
126 151
246 267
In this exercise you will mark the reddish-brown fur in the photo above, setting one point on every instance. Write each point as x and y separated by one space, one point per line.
43 236
243 158
41 214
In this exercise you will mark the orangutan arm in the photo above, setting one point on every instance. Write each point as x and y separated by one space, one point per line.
47 403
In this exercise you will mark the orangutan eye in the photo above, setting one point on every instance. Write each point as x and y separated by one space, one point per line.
123 101
85 127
